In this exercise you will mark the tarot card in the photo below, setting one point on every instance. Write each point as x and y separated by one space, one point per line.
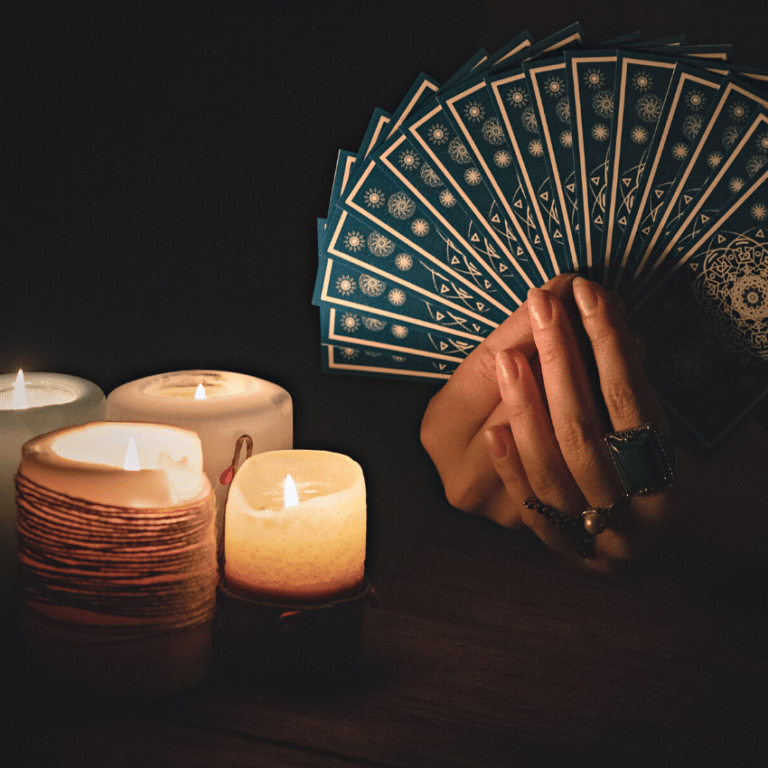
706 326
367 362
548 89
591 76
691 93
640 89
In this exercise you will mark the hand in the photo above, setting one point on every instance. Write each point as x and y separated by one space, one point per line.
552 446
469 404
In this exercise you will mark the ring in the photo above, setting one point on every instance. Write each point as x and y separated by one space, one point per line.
642 459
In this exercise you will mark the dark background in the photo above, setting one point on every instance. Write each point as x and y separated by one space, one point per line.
163 167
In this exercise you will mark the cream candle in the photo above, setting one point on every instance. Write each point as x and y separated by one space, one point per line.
30 405
218 405
117 556
295 526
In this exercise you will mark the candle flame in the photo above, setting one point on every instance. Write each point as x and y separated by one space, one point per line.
291 497
200 392
131 462
19 393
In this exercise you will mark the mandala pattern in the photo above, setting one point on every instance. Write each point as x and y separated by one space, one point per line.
594 78
350 322
649 108
398 358
566 138
730 134
374 198
379 245
403 261
642 81
399 331
695 100
762 142
692 126
563 110
517 97
732 290
680 150
409 160
536 148
714 159
437 133
458 152
738 111
447 199
492 131
429 177
346 285
502 158
371 286
474 111
639 134
736 184
755 163
348 353
529 120
374 324
420 227
601 132
602 104
396 297
472 176
759 211
554 86
354 241
401 206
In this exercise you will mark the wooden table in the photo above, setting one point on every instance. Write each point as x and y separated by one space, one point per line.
485 651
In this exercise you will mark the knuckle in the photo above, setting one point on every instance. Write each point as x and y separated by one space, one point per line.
573 436
620 400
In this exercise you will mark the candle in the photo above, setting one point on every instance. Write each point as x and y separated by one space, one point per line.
117 556
295 526
218 405
30 405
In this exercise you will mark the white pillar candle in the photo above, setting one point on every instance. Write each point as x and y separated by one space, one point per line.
286 547
30 405
84 633
218 405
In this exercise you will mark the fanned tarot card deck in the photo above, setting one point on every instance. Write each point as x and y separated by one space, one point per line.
640 164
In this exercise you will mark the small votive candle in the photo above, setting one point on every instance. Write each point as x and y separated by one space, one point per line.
295 527
30 405
219 406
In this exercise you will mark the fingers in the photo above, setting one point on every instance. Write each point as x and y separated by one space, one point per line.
576 420
533 434
628 395
462 406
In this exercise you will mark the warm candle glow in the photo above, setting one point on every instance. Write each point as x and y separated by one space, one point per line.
19 393
131 462
200 392
291 497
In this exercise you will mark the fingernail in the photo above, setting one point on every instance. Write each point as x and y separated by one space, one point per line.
497 446
585 295
507 367
540 307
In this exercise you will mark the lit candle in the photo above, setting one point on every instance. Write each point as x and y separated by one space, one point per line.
30 405
218 405
295 527
117 556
